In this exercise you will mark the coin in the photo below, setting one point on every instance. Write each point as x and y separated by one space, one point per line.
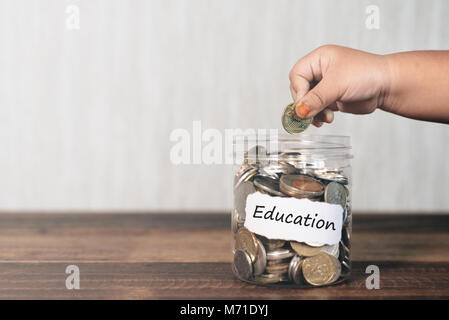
275 170
266 172
333 250
294 270
335 193
235 222
246 240
344 252
331 176
261 259
321 269
305 250
271 244
278 268
268 185
279 254
346 236
291 122
242 265
346 267
246 175
267 278
300 186
324 171
241 193
278 262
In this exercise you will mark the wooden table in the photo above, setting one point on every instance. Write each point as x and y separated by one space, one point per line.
167 256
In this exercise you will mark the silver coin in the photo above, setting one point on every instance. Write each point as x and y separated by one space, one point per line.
268 185
276 169
261 259
346 236
240 196
246 175
331 176
269 278
307 172
268 173
348 214
346 267
344 252
235 221
333 250
335 193
337 272
329 170
279 254
291 123
294 270
315 164
242 265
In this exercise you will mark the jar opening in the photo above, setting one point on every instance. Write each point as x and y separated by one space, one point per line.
272 147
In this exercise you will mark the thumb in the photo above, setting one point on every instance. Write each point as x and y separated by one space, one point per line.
325 93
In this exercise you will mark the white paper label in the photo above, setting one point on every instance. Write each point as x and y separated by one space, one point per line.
301 220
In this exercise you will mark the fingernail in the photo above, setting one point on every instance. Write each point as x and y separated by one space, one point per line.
302 110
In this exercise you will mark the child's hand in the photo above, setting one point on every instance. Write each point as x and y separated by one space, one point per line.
348 80
412 84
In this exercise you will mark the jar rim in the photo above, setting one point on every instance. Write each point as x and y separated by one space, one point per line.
333 141
305 145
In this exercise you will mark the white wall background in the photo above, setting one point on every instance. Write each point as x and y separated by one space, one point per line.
85 115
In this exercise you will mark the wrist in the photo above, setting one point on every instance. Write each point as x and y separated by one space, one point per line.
387 94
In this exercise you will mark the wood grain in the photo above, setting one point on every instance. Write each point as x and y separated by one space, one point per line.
155 256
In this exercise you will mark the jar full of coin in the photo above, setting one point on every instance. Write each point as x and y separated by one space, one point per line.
291 217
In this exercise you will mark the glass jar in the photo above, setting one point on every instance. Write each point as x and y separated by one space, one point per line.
291 220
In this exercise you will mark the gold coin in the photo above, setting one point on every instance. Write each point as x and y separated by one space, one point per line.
321 269
247 241
291 122
305 250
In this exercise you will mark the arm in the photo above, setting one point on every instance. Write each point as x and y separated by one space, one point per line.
410 84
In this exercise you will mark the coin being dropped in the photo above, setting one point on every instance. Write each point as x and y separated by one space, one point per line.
291 122
247 241
242 265
335 193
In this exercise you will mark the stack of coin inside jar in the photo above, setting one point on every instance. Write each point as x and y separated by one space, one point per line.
258 259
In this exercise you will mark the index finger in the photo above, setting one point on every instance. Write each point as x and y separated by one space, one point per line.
303 73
